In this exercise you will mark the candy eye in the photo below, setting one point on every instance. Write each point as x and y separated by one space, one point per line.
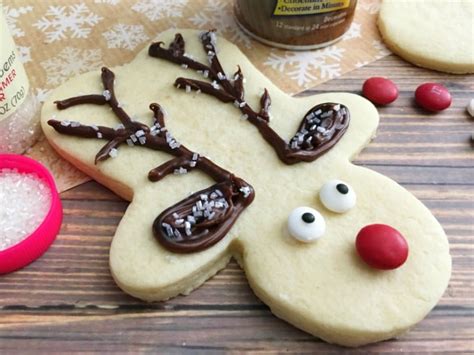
306 224
337 196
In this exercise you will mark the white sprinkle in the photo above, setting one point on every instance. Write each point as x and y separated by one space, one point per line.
199 205
179 221
236 77
99 135
185 66
211 215
219 193
133 138
320 129
206 73
246 191
175 215
107 95
139 133
113 153
337 107
191 219
195 156
221 76
242 104
212 54
318 112
470 108
180 171
188 89
215 85
65 123
192 164
142 140
25 200
177 234
236 103
203 197
75 124
94 127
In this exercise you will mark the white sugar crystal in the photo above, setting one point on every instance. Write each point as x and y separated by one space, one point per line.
246 191
219 193
337 107
139 133
221 76
215 85
133 138
99 135
175 215
94 127
188 88
65 123
180 171
107 95
75 124
211 215
206 73
318 112
25 200
113 153
192 164
320 129
195 156
203 197
129 142
142 140
242 104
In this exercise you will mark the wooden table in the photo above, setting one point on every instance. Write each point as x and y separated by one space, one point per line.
67 300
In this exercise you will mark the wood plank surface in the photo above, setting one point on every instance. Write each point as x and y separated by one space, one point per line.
67 300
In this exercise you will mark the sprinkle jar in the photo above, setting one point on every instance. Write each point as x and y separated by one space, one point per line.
30 211
19 108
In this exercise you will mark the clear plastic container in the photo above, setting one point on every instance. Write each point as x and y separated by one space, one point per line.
19 108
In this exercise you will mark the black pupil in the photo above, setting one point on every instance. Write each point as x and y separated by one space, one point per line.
308 217
343 189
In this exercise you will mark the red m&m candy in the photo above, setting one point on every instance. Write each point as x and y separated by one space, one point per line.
433 97
381 246
380 91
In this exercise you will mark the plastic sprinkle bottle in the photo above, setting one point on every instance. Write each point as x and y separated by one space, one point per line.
19 108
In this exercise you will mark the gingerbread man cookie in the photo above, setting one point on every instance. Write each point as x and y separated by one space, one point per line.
214 169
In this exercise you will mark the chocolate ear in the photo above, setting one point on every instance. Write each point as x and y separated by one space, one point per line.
204 218
320 129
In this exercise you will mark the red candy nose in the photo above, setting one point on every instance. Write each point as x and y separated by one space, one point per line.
381 246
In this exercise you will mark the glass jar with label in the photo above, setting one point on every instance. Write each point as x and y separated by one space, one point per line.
19 108
295 24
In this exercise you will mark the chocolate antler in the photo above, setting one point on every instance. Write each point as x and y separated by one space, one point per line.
198 221
320 129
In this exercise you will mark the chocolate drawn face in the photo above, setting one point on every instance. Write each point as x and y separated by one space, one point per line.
323 287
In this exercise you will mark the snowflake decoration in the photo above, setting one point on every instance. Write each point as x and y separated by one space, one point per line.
125 36
157 9
24 53
12 15
353 32
69 62
60 22
371 6
218 15
381 48
42 94
305 66
109 2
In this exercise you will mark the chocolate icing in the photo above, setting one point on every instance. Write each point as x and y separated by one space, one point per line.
319 134
207 229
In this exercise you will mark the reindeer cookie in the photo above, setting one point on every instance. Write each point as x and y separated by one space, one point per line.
204 147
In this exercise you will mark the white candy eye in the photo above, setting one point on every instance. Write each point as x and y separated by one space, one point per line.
337 196
306 224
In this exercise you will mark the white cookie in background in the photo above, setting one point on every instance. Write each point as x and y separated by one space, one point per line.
435 34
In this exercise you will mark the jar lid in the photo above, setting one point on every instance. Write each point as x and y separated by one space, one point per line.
36 244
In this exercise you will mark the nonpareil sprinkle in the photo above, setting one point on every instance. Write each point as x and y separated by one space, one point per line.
25 200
